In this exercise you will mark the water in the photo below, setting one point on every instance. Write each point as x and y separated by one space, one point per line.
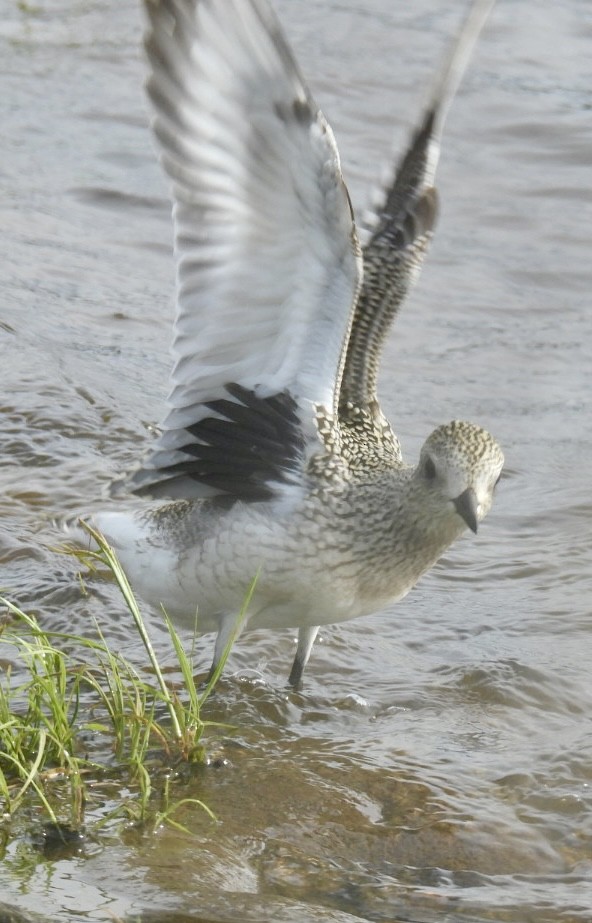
437 766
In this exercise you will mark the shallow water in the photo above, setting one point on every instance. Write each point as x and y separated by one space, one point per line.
437 766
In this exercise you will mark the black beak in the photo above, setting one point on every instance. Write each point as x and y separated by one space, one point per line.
466 506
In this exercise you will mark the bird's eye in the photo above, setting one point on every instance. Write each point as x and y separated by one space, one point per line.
429 469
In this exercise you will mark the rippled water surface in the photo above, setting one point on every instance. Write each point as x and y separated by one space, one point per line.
438 765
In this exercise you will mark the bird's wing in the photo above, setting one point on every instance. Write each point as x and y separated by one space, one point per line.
400 229
268 262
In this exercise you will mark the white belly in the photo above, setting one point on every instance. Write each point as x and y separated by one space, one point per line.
202 581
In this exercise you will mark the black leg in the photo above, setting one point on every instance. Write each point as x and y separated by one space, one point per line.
306 639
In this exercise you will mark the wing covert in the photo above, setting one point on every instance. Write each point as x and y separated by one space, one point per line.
400 229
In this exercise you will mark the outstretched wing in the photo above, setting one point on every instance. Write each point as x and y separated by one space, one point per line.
400 233
268 263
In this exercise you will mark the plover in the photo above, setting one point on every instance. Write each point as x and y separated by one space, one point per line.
275 458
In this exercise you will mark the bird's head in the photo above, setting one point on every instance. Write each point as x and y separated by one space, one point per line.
460 464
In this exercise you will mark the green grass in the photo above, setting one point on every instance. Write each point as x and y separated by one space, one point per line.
75 715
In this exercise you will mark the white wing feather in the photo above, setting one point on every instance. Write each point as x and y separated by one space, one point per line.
268 263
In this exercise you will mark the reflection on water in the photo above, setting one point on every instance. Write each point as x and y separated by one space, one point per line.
437 765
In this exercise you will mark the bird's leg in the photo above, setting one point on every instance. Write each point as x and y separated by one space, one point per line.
228 632
306 639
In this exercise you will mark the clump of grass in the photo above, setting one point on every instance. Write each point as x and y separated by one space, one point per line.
69 689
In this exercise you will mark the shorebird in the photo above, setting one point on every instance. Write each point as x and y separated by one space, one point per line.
274 458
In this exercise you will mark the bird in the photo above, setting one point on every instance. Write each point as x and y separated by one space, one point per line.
274 460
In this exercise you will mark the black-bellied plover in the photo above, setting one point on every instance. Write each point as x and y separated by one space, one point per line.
275 457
